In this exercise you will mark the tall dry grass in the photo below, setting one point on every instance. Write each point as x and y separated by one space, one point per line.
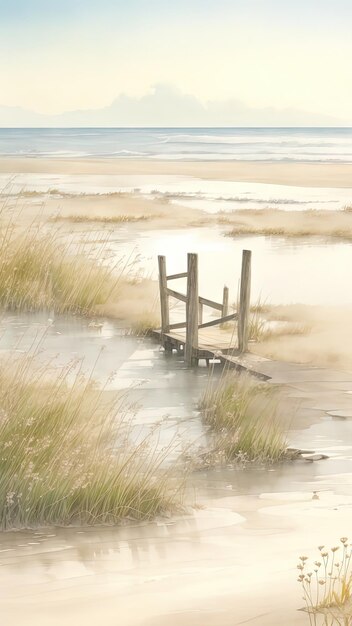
67 453
244 416
38 271
265 324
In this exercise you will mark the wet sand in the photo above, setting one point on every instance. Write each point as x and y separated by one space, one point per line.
230 564
298 174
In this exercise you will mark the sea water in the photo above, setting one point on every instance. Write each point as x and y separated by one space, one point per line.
203 144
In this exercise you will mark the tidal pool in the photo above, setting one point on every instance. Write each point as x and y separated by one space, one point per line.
312 271
208 195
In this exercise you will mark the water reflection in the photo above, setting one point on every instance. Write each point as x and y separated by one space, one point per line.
160 390
309 271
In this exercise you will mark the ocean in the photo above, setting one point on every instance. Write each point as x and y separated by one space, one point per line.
328 145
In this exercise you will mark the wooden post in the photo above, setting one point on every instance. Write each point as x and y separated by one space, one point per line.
225 302
192 310
164 298
245 299
200 313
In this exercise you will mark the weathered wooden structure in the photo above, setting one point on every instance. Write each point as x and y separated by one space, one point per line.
193 338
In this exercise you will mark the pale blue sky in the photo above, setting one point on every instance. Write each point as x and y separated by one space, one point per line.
60 55
36 12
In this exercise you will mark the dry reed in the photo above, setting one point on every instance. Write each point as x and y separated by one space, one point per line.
38 272
243 414
327 585
115 219
67 452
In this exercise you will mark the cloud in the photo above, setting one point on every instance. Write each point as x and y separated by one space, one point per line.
167 106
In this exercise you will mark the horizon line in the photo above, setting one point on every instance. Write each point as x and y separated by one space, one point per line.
174 127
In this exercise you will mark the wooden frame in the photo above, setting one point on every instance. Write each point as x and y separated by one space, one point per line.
195 304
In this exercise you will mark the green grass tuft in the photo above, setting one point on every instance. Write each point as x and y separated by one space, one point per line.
67 456
243 415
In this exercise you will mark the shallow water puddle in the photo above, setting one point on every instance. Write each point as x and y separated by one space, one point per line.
208 195
226 559
311 271
160 390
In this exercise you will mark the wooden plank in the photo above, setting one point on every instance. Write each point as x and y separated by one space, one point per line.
178 325
245 299
210 303
175 276
164 300
176 294
191 345
216 337
220 320
243 366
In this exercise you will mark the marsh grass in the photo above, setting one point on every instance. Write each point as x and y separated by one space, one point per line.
52 191
143 326
277 231
261 331
257 326
67 452
327 585
116 219
289 224
260 306
38 272
244 416
265 325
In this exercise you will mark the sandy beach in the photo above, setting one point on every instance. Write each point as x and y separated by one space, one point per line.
299 174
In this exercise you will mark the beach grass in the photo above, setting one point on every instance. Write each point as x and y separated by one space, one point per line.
257 325
67 452
146 323
39 272
266 323
291 224
109 220
261 331
243 413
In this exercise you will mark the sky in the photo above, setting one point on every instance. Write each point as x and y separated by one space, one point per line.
63 55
